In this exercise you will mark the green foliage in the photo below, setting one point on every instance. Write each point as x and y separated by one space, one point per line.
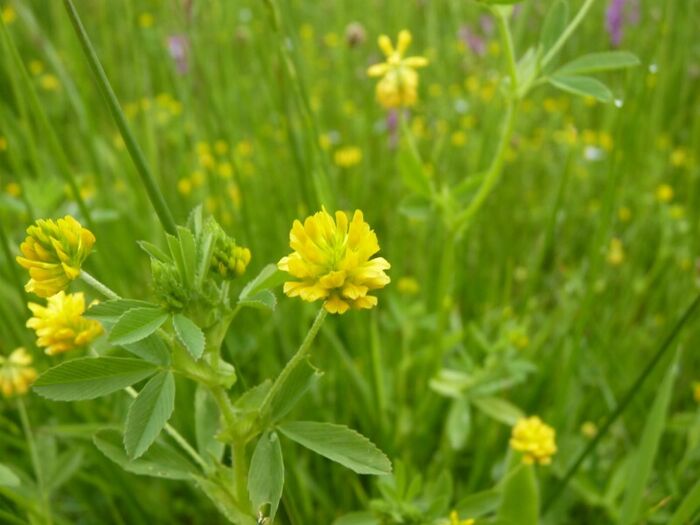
340 444
266 477
136 324
189 335
90 377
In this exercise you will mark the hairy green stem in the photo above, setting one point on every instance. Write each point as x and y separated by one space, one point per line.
627 398
567 33
295 361
98 286
36 462
147 178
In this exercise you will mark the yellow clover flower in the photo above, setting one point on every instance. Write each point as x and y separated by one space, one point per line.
333 261
60 325
398 86
16 373
53 253
535 439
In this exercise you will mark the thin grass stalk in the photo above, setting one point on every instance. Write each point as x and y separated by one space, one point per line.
154 193
627 398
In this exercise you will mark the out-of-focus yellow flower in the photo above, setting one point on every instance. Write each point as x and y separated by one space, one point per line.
624 214
664 193
454 519
221 147
535 439
36 67
60 325
348 156
676 211
53 252
408 285
225 170
49 82
398 86
679 157
244 148
332 260
3 143
184 186
458 138
13 189
696 391
9 14
146 20
589 429
16 373
616 252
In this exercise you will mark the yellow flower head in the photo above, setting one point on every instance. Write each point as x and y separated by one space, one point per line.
454 519
398 86
8 14
53 253
664 193
60 325
616 252
535 440
16 373
347 157
332 260
696 391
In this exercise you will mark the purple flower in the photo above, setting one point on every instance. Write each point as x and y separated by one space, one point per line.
614 21
472 40
179 48
392 126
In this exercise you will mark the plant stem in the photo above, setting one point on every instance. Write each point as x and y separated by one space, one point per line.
98 286
567 33
623 404
149 182
295 361
507 42
240 473
36 463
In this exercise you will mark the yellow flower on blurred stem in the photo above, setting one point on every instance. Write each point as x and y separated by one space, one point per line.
13 189
8 15
664 193
616 252
398 86
696 391
589 429
16 373
347 157
333 261
53 252
184 186
535 439
454 519
60 325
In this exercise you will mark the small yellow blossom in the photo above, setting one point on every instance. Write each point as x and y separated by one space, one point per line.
408 285
49 82
696 391
535 440
333 261
146 20
3 143
225 170
244 148
221 147
616 252
458 138
347 157
229 260
36 67
53 252
60 325
679 157
16 373
664 193
398 86
9 15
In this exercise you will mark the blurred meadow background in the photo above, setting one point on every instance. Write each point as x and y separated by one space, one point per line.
568 279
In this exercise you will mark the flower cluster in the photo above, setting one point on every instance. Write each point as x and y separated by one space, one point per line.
398 86
229 260
535 439
53 253
332 260
60 325
455 520
16 373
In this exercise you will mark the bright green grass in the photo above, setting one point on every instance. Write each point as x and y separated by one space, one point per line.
532 269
